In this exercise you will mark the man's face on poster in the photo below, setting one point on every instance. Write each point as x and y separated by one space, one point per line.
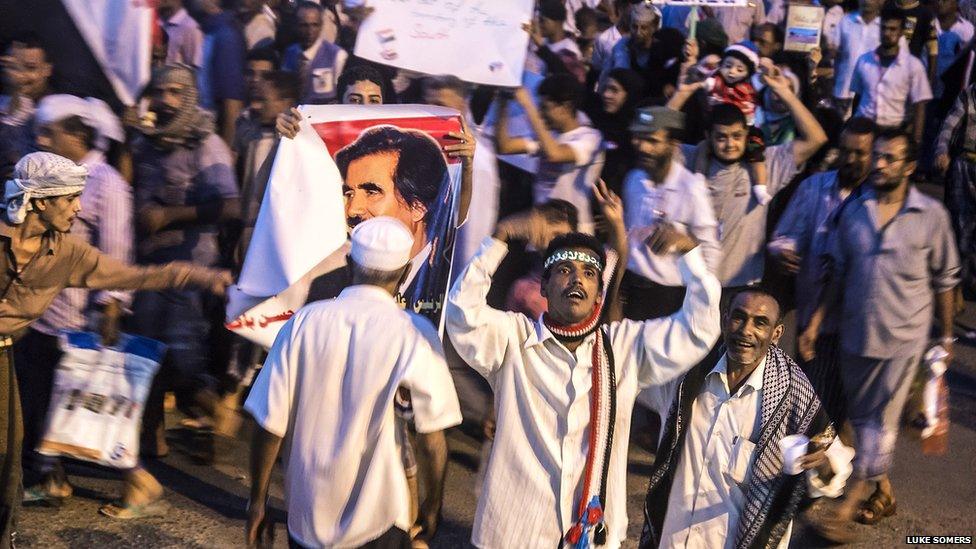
369 191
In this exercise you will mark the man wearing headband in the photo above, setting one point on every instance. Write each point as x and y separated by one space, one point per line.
565 384
184 189
329 388
38 260
79 130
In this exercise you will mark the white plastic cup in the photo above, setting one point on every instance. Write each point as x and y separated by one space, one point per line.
793 448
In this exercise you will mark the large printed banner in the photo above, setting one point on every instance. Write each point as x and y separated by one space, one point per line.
347 164
712 3
119 34
479 41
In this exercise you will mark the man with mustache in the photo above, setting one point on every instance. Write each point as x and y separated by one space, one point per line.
801 239
718 478
894 270
565 384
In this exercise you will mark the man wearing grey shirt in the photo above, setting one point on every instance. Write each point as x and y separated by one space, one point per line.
741 218
894 263
801 239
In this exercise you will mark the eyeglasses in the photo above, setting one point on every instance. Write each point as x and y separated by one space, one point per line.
889 158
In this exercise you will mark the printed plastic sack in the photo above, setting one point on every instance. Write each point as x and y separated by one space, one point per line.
99 393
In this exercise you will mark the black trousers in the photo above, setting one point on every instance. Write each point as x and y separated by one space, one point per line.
11 439
644 299
36 358
394 538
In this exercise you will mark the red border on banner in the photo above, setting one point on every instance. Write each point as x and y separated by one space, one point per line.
338 134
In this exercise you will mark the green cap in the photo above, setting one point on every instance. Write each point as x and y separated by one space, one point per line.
652 119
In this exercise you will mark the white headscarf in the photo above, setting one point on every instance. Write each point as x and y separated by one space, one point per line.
40 175
94 113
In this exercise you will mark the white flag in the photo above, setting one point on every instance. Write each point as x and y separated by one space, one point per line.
119 34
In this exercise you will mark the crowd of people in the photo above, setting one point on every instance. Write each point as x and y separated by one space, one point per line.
675 216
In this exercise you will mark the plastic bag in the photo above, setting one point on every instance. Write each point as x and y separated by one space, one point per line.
935 403
98 398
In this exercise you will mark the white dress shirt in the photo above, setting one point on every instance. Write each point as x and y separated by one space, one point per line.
708 492
327 388
683 199
856 37
542 400
710 483
886 93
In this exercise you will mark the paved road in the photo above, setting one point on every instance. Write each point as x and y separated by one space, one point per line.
204 504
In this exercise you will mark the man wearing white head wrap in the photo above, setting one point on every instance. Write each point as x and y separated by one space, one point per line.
37 261
79 130
91 112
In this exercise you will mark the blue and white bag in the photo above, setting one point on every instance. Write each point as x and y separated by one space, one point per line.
99 394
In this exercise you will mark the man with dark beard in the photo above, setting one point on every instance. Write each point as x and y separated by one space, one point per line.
895 262
801 239
661 190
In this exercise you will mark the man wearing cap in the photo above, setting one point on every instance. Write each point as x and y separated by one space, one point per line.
661 190
345 482
565 384
38 261
79 130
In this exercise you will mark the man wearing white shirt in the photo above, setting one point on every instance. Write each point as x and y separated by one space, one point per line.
858 33
570 154
603 49
719 476
556 475
661 189
329 389
890 85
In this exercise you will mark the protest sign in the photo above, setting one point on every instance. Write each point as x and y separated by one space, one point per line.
803 27
479 41
298 251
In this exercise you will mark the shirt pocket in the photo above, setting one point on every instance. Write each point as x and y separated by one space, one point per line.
738 469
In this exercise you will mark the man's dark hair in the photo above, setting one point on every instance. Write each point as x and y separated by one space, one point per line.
420 169
553 9
768 27
30 41
576 240
562 88
757 290
889 134
309 5
890 13
726 114
358 73
266 53
556 211
446 82
860 125
75 125
585 16
285 83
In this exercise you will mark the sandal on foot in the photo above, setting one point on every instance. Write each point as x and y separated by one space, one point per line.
877 507
120 510
39 494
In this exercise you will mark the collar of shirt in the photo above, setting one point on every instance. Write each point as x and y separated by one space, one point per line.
913 201
957 26
93 157
367 292
719 375
312 50
542 334
901 58
859 19
7 231
178 19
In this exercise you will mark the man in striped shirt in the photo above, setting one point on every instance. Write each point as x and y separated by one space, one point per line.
78 129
